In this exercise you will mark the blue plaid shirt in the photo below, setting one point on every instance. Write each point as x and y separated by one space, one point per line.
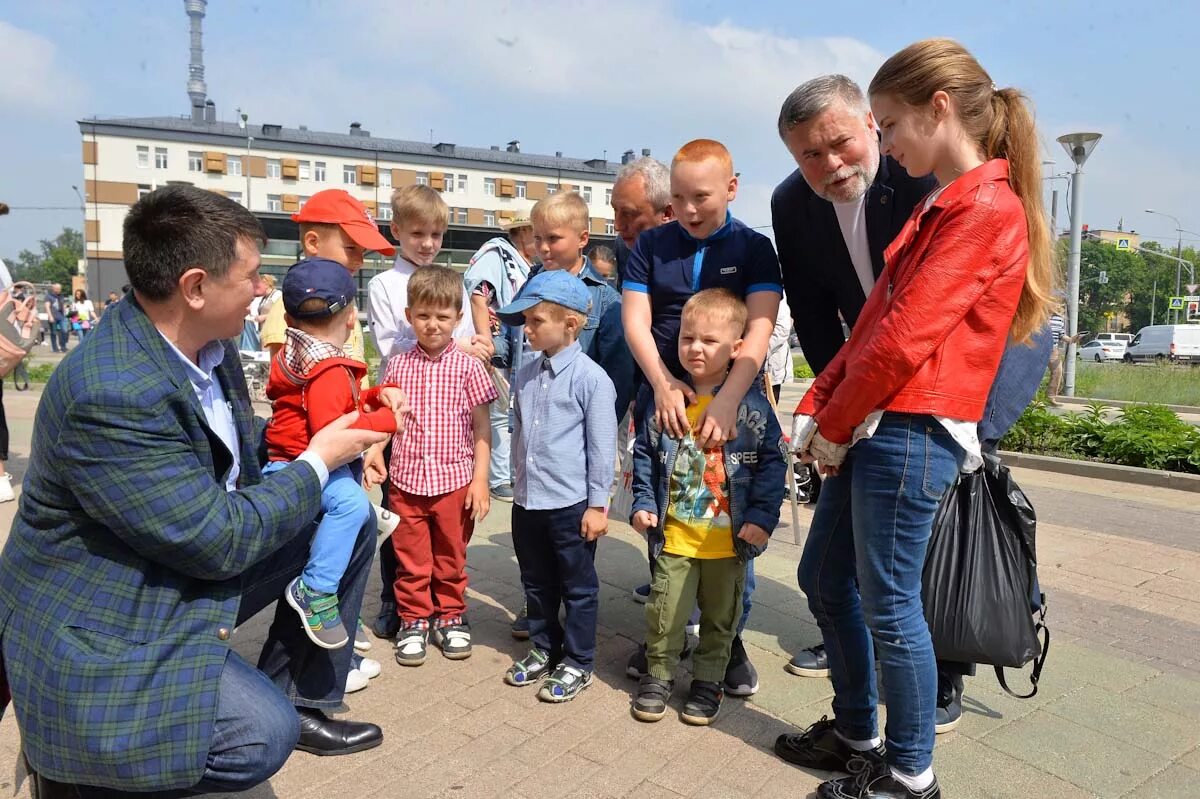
564 443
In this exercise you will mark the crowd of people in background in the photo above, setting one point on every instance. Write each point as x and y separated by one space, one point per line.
914 217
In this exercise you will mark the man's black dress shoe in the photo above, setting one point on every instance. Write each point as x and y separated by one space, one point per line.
321 735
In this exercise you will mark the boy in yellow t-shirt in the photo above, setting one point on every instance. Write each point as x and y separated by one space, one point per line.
705 512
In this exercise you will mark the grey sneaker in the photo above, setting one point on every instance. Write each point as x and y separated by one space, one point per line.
703 703
410 645
454 640
564 684
811 662
504 493
319 614
650 704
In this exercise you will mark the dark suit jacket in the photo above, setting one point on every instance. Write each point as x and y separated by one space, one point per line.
818 276
120 581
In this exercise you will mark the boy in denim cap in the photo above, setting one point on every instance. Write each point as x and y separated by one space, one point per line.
564 445
312 383
706 511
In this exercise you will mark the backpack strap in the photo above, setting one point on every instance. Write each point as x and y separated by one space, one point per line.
1038 663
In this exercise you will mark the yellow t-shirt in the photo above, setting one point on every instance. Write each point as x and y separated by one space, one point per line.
698 523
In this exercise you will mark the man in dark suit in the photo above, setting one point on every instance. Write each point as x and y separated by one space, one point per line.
833 217
147 534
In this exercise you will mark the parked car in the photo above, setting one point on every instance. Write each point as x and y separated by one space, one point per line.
1163 343
1099 350
1124 338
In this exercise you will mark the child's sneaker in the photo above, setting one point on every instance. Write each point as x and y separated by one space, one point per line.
319 614
362 643
411 642
650 704
528 669
520 625
703 703
741 678
453 638
387 623
386 522
564 684
6 489
368 666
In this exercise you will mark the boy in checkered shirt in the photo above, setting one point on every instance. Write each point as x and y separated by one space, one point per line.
438 469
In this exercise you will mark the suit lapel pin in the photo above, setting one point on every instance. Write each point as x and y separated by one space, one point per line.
883 199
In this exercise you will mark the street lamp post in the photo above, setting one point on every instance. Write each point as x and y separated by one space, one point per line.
243 123
1079 146
1178 248
83 213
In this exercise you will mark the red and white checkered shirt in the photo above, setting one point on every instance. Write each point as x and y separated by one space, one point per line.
436 452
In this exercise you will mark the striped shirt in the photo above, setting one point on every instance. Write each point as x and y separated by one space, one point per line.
435 454
1057 328
564 440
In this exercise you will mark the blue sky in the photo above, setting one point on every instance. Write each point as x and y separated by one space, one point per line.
589 76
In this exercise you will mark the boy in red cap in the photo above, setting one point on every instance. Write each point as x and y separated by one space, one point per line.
336 226
312 383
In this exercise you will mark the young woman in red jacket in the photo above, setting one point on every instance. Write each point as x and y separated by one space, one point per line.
892 419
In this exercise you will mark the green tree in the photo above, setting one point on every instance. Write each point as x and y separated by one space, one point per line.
56 262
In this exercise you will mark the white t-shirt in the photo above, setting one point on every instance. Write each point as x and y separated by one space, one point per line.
852 219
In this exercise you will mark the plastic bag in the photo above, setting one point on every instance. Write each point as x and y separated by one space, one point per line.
980 575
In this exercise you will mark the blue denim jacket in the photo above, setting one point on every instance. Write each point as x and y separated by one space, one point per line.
755 466
1017 380
602 338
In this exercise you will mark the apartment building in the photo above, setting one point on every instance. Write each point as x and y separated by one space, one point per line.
273 170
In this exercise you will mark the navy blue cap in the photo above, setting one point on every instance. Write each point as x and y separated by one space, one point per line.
550 285
321 279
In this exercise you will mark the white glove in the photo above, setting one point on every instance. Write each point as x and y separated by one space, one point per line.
803 428
826 452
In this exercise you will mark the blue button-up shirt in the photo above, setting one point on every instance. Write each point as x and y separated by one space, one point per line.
564 432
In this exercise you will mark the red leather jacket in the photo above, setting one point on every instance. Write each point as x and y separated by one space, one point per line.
930 337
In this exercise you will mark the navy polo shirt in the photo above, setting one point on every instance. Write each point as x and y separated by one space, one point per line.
670 265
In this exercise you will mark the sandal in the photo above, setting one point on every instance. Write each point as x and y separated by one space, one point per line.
564 684
528 669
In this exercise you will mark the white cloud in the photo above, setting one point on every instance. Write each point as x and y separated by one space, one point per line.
31 80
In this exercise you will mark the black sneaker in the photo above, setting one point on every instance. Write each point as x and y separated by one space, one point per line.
410 645
703 703
454 640
872 779
820 747
387 623
811 662
741 678
650 704
520 625
636 668
949 703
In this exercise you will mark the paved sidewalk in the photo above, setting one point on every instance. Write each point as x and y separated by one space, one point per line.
1116 715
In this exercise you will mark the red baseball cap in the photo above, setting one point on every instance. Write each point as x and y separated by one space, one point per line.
337 207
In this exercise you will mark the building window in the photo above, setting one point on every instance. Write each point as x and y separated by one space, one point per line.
608 196
233 165
385 178
520 184
195 161
609 228
462 182
319 171
461 216
489 189
274 168
143 190
236 196
143 156
422 178
489 217
587 194
160 157
385 212
274 202
303 199
448 183
304 168
349 174
551 188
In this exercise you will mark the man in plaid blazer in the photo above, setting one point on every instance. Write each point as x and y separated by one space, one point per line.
146 534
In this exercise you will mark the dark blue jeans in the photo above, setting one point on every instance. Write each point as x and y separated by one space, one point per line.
558 568
861 570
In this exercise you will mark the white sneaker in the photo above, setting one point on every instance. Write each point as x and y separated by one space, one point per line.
386 520
6 489
369 667
356 681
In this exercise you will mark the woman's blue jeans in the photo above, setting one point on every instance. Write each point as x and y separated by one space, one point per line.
861 570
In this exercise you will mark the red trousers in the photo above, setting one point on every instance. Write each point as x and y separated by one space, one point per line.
431 554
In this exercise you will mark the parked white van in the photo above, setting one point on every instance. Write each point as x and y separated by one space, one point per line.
1174 343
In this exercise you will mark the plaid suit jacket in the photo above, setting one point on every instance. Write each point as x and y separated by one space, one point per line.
120 580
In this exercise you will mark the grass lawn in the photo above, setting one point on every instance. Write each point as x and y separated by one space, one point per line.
1168 385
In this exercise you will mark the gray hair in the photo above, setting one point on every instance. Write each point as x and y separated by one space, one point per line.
655 175
813 97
